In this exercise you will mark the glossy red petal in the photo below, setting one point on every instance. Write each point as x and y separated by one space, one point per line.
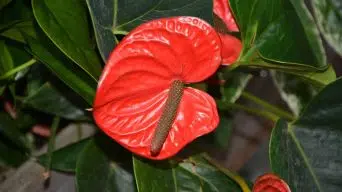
270 183
134 85
222 10
231 48
197 115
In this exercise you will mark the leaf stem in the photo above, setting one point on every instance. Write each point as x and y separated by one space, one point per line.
51 145
17 69
237 178
279 112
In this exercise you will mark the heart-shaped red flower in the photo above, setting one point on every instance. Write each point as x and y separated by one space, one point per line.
270 183
135 85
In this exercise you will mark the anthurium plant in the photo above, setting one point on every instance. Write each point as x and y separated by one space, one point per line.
157 77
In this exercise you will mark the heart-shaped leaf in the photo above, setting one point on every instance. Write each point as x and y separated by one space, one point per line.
65 23
265 25
192 174
112 17
328 14
307 153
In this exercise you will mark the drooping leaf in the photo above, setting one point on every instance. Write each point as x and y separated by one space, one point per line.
67 71
307 153
97 171
47 99
193 174
65 23
328 14
265 25
65 159
112 17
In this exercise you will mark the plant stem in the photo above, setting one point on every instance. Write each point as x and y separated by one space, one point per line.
257 112
51 145
237 178
17 69
279 112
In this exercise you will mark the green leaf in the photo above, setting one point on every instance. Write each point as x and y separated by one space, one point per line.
6 61
223 132
96 171
15 34
3 3
10 132
264 25
112 17
328 14
15 12
11 155
65 159
65 23
47 99
307 152
68 72
193 174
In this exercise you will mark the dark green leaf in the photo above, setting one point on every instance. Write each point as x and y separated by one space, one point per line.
15 12
307 153
65 23
6 61
11 155
193 174
49 100
95 171
67 71
264 25
111 17
9 132
328 14
15 34
65 158
3 3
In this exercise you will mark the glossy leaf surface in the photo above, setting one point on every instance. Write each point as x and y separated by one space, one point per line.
265 25
47 99
328 14
65 23
68 72
307 152
98 172
129 101
193 174
113 17
65 159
